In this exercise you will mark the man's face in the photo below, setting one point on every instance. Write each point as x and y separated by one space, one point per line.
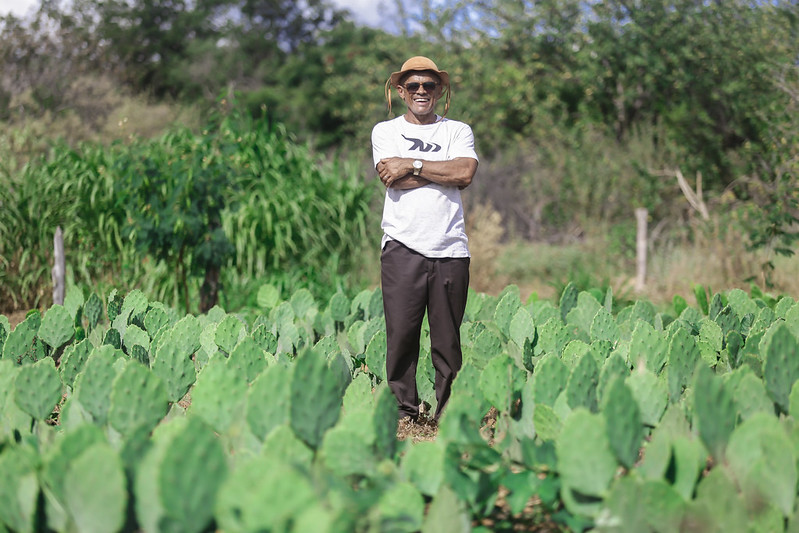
420 91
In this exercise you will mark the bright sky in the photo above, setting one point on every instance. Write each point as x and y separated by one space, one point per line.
364 11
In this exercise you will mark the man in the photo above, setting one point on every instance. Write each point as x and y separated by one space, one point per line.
424 160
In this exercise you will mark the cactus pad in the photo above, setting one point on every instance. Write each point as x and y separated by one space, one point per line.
38 388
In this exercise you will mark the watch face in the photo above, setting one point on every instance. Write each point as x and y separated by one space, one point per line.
417 164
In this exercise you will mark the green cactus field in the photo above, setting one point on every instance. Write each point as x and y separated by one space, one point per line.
119 414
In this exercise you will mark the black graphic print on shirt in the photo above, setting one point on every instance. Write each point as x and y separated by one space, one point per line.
418 144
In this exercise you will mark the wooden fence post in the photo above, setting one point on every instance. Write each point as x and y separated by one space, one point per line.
641 215
59 268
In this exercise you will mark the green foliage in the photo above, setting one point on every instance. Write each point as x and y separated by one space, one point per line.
645 440
170 213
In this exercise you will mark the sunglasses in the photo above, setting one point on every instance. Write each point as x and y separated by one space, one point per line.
429 86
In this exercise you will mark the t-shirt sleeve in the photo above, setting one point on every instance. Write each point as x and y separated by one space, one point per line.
463 143
382 145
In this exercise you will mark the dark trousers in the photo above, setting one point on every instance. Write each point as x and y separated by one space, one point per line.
413 283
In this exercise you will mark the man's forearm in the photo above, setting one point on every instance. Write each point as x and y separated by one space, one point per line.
410 182
453 173
456 172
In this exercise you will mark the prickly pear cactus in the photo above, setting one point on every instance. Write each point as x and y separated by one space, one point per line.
63 453
717 303
750 395
623 422
56 327
313 414
268 296
93 310
339 306
763 459
603 327
549 380
19 343
581 389
113 338
38 388
193 468
154 320
175 368
249 358
423 466
582 315
574 351
19 489
643 311
505 311
220 394
72 361
683 356
113 306
524 335
268 400
734 346
13 420
135 336
177 482
714 411
728 320
711 334
700 293
265 339
253 497
650 393
613 367
486 346
186 334
586 462
741 303
568 300
138 398
645 505
5 329
229 332
553 336
134 306
376 355
781 366
97 497
348 453
93 384
501 383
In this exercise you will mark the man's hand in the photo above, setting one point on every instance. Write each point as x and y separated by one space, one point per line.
392 169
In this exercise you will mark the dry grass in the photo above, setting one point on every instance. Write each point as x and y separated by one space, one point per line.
95 109
709 254
424 429
485 229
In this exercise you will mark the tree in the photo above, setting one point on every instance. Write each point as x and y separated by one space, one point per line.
701 67
176 189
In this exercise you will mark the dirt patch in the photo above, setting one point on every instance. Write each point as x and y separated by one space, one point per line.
14 317
424 429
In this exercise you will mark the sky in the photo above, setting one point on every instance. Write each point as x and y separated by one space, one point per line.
366 12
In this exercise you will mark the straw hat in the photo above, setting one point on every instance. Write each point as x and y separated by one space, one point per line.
418 64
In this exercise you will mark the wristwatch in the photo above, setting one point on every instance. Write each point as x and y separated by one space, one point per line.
417 167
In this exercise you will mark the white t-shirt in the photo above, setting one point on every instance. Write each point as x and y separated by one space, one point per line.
427 219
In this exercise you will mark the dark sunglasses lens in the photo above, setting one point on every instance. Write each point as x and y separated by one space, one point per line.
414 86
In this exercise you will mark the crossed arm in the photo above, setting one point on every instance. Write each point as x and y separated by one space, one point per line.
397 172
